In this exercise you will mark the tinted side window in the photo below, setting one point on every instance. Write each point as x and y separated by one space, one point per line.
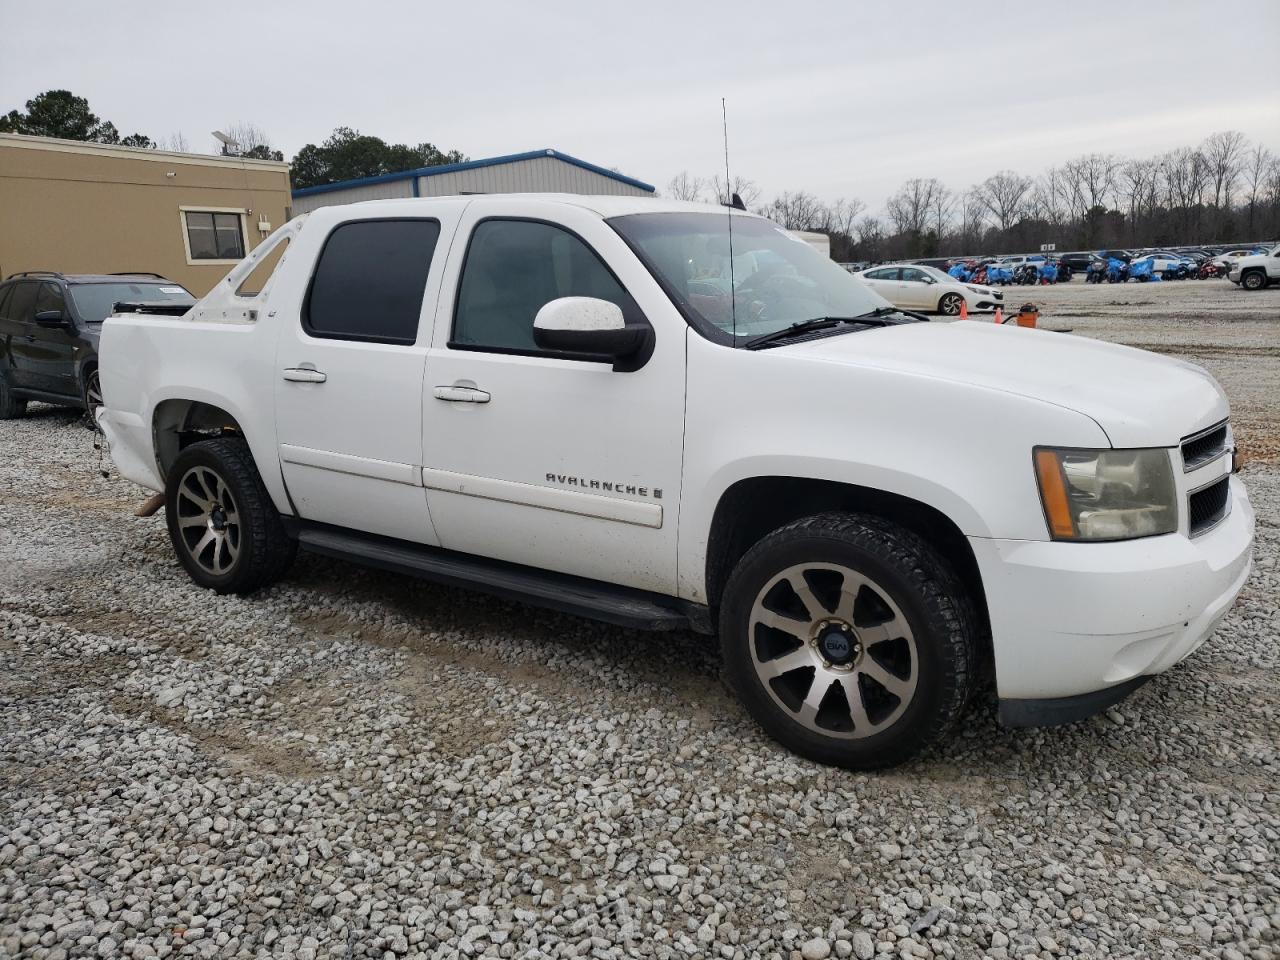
50 298
910 273
513 268
22 305
369 280
4 299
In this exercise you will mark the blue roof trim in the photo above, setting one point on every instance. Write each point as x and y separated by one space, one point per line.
474 165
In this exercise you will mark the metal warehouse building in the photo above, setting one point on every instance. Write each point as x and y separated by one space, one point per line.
538 171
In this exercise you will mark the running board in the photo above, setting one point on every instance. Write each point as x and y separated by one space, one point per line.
608 602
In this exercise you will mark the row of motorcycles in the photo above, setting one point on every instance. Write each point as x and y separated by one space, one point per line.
1117 271
1023 275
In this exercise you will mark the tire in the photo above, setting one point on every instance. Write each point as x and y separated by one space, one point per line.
91 391
11 407
222 523
1254 280
91 397
783 652
949 305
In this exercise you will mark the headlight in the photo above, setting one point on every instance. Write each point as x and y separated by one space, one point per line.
1106 494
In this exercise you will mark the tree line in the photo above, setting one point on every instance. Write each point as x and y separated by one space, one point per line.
1226 189
345 155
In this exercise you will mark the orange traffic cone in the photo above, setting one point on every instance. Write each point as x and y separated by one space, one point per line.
964 309
999 317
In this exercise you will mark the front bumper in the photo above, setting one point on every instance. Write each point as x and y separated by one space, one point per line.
1070 620
1234 276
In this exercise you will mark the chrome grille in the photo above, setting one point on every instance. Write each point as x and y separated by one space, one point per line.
1204 447
1209 506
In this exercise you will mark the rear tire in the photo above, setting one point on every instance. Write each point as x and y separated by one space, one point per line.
949 305
11 407
849 639
1254 280
223 526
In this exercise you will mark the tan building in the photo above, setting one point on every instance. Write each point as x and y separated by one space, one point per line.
95 208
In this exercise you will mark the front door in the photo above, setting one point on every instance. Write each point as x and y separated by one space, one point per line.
349 362
914 289
551 460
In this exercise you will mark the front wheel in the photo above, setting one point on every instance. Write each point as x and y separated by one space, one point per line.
1253 280
848 639
949 305
223 525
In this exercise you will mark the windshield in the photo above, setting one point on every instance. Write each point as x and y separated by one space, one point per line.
95 300
774 279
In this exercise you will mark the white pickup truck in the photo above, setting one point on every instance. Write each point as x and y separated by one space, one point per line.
1256 271
674 416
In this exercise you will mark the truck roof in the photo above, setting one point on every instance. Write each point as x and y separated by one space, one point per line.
605 206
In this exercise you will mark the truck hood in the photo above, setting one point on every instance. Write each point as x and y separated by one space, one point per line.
1139 398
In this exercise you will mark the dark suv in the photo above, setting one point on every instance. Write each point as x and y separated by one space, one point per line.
49 329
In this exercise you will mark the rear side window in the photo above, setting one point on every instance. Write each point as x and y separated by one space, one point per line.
369 281
515 267
22 305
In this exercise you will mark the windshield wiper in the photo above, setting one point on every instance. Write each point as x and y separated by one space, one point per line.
873 318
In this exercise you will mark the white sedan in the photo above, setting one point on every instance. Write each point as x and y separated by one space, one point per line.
914 287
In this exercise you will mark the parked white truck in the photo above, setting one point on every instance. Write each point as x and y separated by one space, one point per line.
1256 271
671 416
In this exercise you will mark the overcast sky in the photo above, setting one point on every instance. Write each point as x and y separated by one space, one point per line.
840 99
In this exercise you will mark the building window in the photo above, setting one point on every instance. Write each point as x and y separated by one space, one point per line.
214 235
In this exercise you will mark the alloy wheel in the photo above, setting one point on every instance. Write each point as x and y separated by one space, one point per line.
833 650
208 520
93 391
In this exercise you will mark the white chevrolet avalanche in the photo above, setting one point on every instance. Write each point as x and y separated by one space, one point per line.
674 416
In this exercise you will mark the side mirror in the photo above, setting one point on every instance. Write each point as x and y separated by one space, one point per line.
588 325
52 318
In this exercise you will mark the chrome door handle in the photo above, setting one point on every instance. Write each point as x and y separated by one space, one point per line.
304 375
461 393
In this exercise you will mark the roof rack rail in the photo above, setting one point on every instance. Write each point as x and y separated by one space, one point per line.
35 273
137 273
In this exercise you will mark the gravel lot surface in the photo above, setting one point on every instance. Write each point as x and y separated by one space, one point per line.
353 764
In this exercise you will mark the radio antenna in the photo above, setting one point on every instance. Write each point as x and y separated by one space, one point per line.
728 202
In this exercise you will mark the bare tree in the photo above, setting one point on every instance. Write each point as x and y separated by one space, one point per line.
1224 158
870 234
797 211
1090 182
1050 197
1257 165
1137 185
1003 195
684 187
973 210
914 206
175 142
841 216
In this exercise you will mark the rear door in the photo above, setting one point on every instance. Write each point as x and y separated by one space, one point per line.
884 281
52 350
19 334
350 361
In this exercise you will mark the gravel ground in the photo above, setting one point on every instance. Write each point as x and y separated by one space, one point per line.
353 764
